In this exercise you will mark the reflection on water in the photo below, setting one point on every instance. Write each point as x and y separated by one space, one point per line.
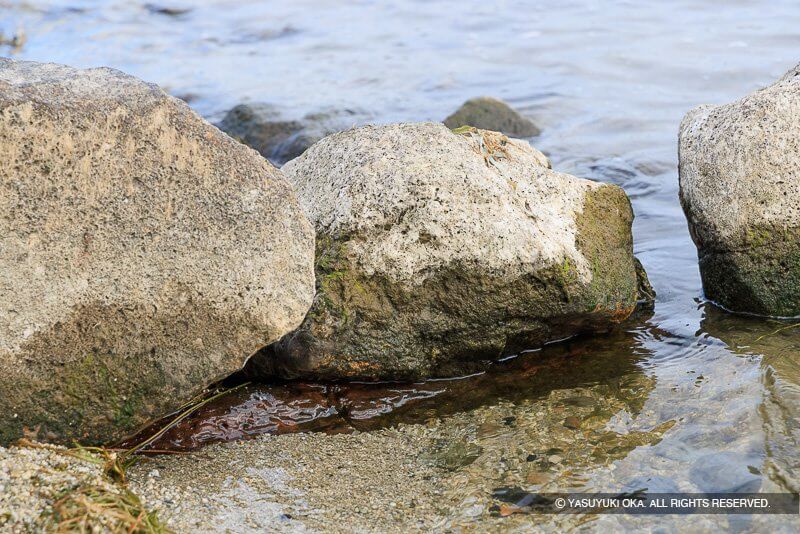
343 407
637 410
690 400
777 344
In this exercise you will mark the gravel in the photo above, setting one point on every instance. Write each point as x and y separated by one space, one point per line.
363 482
32 478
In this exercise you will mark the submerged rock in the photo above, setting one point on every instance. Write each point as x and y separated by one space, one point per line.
488 113
437 250
740 190
143 253
263 127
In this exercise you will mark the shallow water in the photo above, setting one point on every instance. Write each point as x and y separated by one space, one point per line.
250 410
608 83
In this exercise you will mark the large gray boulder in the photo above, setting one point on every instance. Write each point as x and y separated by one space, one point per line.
437 250
489 113
143 253
740 190
279 139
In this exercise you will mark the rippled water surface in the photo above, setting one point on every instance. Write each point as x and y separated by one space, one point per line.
691 399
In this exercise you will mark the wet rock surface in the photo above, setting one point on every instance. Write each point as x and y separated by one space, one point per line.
610 424
143 253
263 127
739 176
438 251
489 113
442 474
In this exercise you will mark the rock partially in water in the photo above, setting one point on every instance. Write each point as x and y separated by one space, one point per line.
143 253
646 294
437 251
169 11
264 128
739 176
489 113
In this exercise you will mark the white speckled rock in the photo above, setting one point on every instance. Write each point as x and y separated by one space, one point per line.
740 190
436 250
143 253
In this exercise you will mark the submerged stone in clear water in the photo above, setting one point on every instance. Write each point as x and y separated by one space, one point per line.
264 128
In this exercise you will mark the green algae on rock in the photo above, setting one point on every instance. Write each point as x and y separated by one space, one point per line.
739 169
433 259
489 113
143 253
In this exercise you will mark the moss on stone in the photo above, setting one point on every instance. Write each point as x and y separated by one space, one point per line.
99 391
761 277
332 275
604 239
371 327
646 295
568 275
465 305
76 388
758 237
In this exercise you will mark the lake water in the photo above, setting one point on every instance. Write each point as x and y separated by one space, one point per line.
607 82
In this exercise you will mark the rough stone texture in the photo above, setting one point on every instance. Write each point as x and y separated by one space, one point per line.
143 253
489 113
646 295
264 128
740 190
437 250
